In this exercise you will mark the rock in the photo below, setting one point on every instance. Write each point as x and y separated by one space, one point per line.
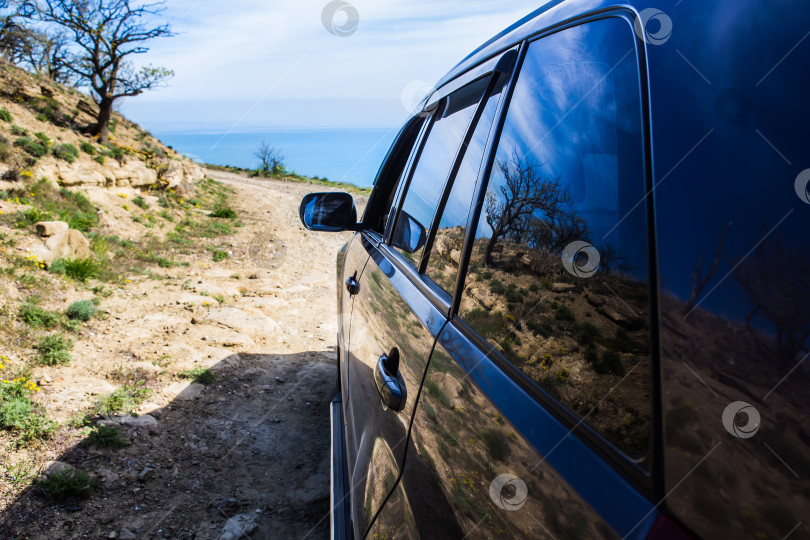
146 474
46 91
112 534
238 526
484 297
451 388
144 421
109 478
223 507
86 108
133 173
595 300
242 322
443 245
562 287
126 534
42 253
455 256
53 467
280 380
184 391
70 244
74 174
46 229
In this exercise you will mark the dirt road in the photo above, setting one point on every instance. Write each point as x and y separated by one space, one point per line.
245 456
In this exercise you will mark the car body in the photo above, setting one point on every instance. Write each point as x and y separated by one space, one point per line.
576 305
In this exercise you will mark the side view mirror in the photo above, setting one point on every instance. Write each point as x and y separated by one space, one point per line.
409 235
332 212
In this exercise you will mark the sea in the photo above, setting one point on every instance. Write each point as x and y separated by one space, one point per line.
339 155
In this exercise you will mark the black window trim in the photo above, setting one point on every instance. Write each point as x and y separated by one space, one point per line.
394 152
649 481
438 296
415 151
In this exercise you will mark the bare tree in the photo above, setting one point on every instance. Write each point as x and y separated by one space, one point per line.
612 261
776 278
527 204
106 34
49 55
271 160
15 38
699 281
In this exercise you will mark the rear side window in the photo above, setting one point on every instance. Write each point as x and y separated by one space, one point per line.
558 272
433 168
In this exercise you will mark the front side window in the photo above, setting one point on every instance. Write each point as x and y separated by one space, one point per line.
558 271
433 168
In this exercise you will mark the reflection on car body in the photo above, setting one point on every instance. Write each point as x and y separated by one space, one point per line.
551 327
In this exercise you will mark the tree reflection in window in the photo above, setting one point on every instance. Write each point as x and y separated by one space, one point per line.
569 167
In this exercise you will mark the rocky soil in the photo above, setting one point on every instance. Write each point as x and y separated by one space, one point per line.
245 456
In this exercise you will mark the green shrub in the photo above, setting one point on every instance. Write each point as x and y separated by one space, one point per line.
34 147
69 484
487 323
24 419
99 159
585 333
88 148
34 215
513 296
5 115
219 255
496 286
140 202
106 437
223 212
78 269
114 151
199 375
496 443
81 310
35 316
622 342
564 313
5 150
610 362
124 399
54 349
17 130
41 117
66 151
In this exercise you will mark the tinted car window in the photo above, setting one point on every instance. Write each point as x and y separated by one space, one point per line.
558 273
389 177
444 256
433 168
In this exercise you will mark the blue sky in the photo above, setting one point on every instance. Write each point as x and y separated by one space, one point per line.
251 65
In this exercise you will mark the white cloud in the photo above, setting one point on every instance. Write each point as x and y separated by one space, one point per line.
245 52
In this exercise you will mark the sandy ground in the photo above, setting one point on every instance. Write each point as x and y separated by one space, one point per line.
252 445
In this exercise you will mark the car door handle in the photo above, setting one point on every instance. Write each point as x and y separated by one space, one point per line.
387 378
352 285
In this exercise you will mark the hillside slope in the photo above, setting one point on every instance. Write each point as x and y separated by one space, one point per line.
43 129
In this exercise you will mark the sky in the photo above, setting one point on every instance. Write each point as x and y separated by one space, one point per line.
252 65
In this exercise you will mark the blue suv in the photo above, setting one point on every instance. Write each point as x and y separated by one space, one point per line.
577 304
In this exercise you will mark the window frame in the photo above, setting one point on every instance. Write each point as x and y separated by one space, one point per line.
438 296
648 480
383 184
